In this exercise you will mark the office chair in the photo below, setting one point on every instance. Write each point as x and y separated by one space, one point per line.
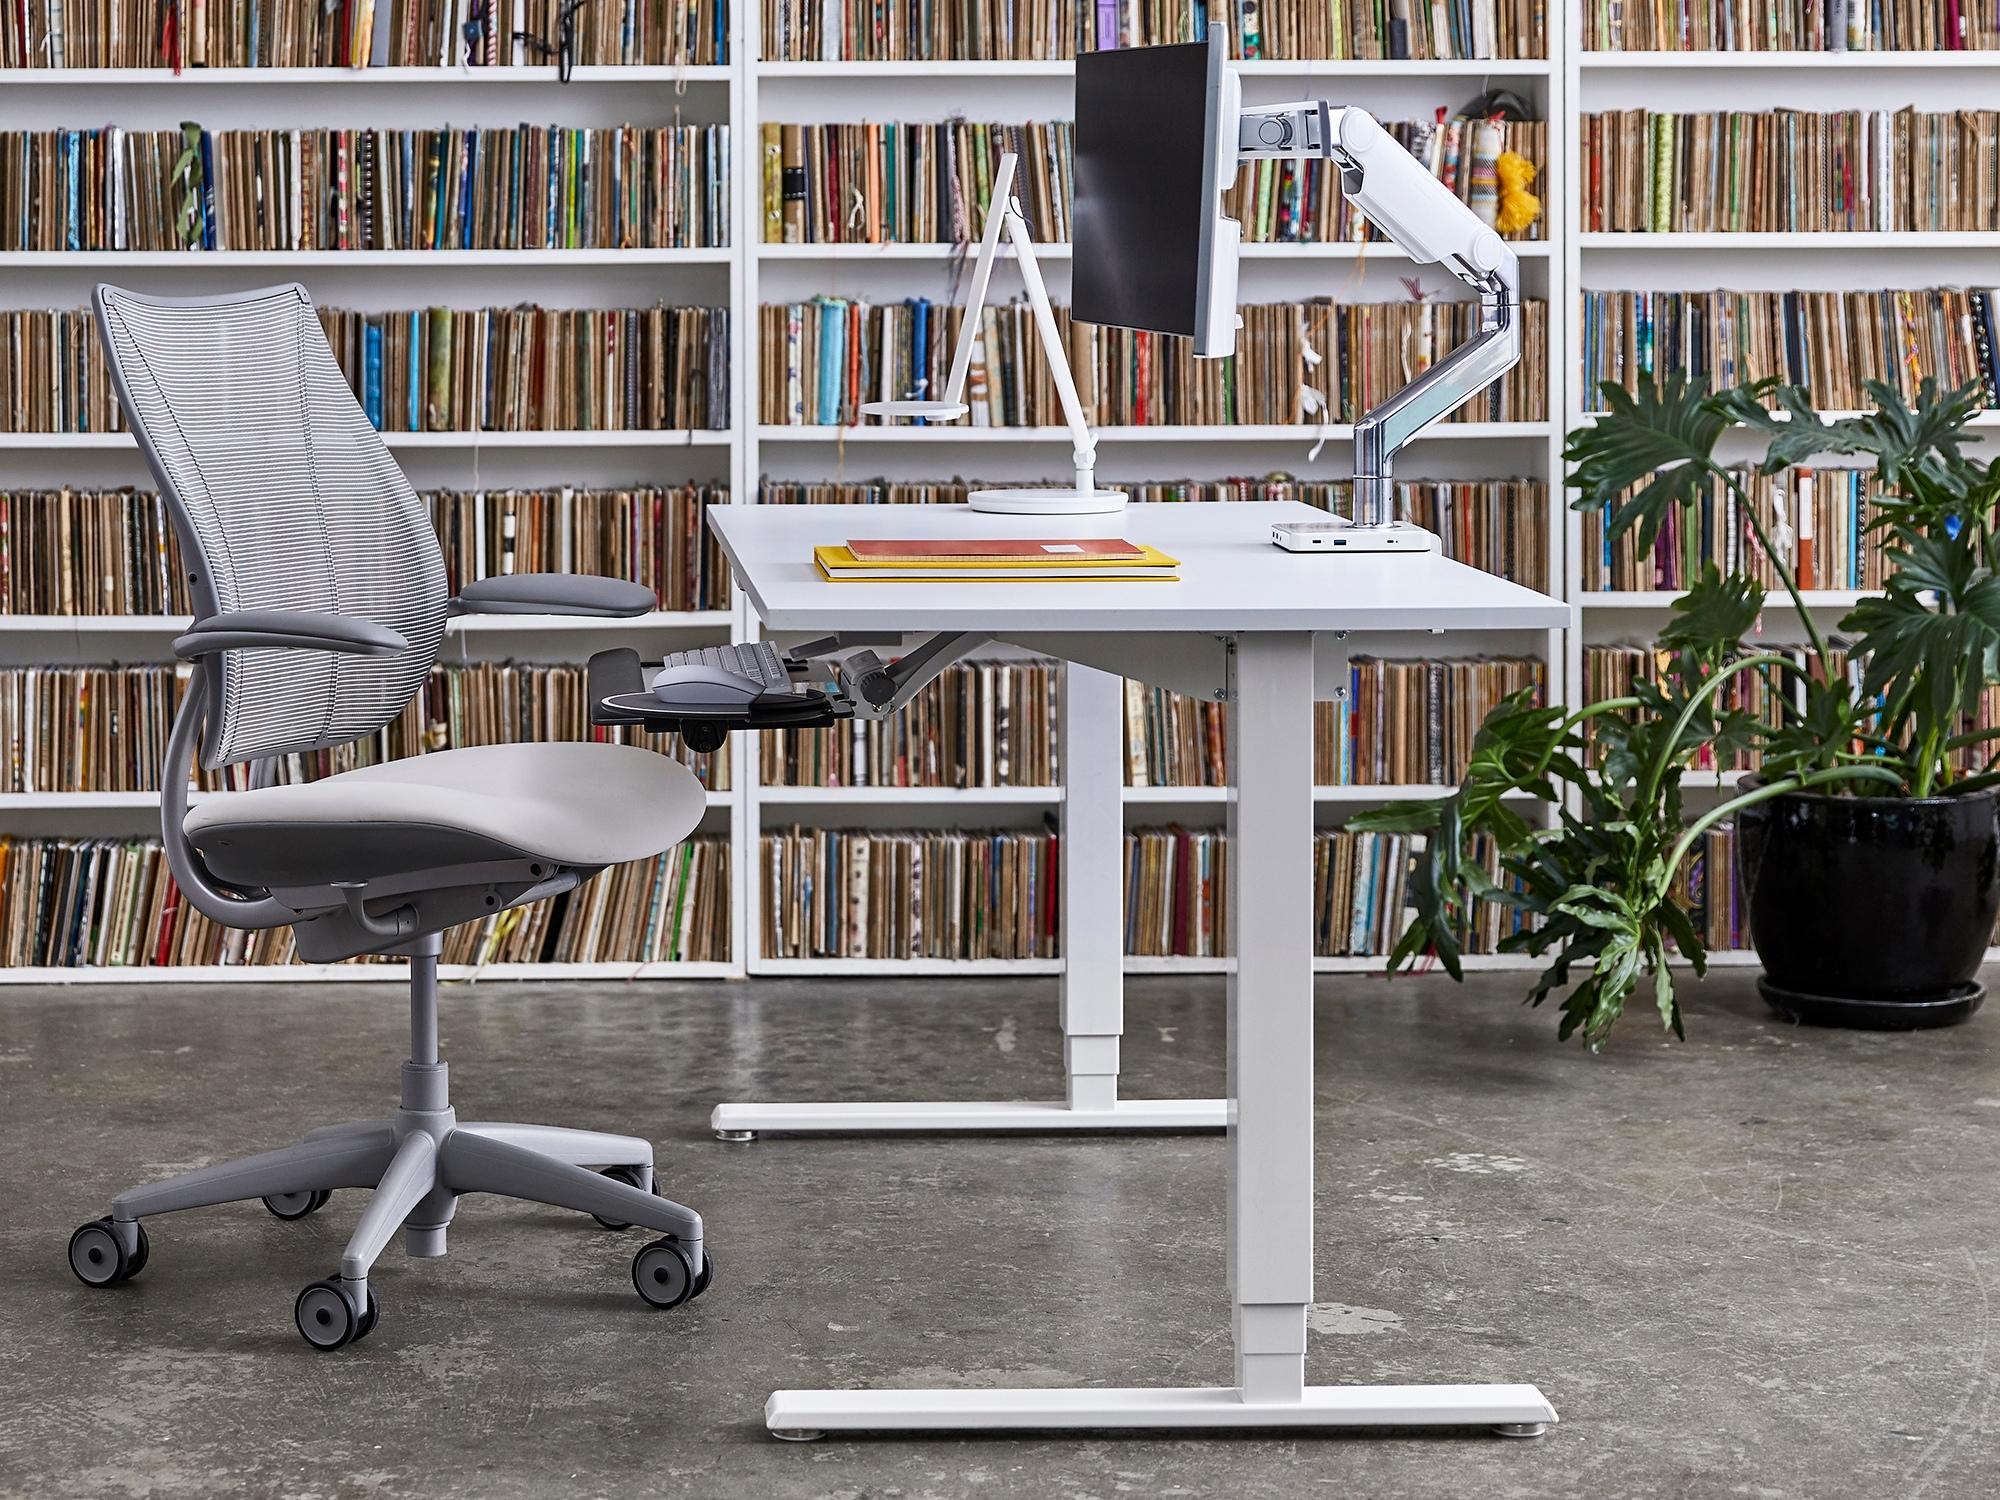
320 601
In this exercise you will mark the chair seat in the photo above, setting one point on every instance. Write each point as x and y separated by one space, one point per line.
577 804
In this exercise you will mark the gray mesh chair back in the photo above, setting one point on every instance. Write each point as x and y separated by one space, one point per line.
283 497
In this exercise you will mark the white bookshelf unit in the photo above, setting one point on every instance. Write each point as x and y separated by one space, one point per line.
748 92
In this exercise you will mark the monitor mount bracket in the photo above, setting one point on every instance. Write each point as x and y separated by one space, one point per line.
1431 226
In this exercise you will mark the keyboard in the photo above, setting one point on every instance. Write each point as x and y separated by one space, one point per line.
755 661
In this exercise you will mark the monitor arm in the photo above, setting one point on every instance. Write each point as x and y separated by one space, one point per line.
1431 226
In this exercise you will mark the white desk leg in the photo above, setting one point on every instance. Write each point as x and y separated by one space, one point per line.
1270 1152
1093 979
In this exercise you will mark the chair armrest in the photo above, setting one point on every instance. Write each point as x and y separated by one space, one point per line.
554 594
298 629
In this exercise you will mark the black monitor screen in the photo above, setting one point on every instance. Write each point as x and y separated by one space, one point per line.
1141 121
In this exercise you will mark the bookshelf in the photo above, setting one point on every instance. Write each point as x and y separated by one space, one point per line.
742 276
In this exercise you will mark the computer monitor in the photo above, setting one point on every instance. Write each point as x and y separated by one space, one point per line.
1155 149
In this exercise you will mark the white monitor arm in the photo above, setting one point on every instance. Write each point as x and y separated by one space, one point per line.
1431 226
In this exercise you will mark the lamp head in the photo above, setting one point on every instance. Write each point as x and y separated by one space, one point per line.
937 411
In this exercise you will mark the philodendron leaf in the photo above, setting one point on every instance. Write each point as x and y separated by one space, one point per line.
1645 453
1714 614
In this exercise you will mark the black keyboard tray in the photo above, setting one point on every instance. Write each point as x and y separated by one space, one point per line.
616 682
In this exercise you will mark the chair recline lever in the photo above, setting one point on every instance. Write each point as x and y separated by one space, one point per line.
398 926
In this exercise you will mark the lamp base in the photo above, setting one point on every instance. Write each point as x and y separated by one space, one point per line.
1063 502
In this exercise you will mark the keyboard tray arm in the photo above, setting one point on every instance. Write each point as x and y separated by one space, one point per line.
879 689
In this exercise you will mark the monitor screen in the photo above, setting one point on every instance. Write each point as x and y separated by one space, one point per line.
1144 213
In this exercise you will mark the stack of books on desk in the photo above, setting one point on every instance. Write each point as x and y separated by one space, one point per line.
1015 560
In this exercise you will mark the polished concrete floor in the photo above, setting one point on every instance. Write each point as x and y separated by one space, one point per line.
1763 1263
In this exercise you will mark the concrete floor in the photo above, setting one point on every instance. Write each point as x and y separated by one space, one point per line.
1757 1264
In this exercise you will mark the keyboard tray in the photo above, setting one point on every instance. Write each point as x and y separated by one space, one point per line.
616 681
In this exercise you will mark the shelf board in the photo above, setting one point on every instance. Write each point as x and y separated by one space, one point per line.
115 801
908 796
1664 598
120 260
358 973
1339 432
1845 241
682 437
1255 67
194 78
167 625
1338 250
1780 61
833 967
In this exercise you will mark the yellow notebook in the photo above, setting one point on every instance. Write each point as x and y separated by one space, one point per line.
839 565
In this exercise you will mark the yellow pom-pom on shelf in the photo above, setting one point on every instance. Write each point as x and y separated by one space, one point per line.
1518 207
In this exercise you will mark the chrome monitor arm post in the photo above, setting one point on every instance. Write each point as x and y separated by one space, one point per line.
1082 498
1431 226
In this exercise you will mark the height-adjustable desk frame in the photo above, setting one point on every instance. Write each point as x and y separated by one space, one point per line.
1258 628
1432 227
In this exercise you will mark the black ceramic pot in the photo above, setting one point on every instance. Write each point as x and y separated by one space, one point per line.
1871 911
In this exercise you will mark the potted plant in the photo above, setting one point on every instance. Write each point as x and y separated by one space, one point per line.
1867 841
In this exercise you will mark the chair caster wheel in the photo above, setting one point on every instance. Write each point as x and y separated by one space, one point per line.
327 1319
705 1275
296 1205
662 1274
736 1137
99 1259
630 1177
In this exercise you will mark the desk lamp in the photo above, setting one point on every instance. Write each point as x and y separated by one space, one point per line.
1083 498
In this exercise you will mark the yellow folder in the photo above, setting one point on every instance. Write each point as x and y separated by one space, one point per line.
839 565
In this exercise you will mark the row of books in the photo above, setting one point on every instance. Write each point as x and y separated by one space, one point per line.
1789 26
528 187
822 359
1029 30
931 183
980 724
1830 342
1287 202
104 728
1706 885
1790 171
1177 889
1405 723
180 34
113 552
1826 512
111 903
908 183
531 368
1499 525
934 893
439 369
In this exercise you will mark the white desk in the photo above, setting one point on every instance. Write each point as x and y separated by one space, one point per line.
1245 623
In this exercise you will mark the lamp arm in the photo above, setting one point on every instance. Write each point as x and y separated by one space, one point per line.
1084 441
999 208
1430 225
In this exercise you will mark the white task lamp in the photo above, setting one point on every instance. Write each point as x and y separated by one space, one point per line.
1083 498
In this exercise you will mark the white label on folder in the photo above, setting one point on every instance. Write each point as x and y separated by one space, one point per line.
1061 547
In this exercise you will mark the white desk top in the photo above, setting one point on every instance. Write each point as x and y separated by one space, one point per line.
1231 577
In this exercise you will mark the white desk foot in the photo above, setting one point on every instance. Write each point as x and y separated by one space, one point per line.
1507 1409
737 1122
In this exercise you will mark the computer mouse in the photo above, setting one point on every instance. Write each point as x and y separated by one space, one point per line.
698 685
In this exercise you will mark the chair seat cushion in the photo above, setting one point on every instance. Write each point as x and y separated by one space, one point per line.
569 803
